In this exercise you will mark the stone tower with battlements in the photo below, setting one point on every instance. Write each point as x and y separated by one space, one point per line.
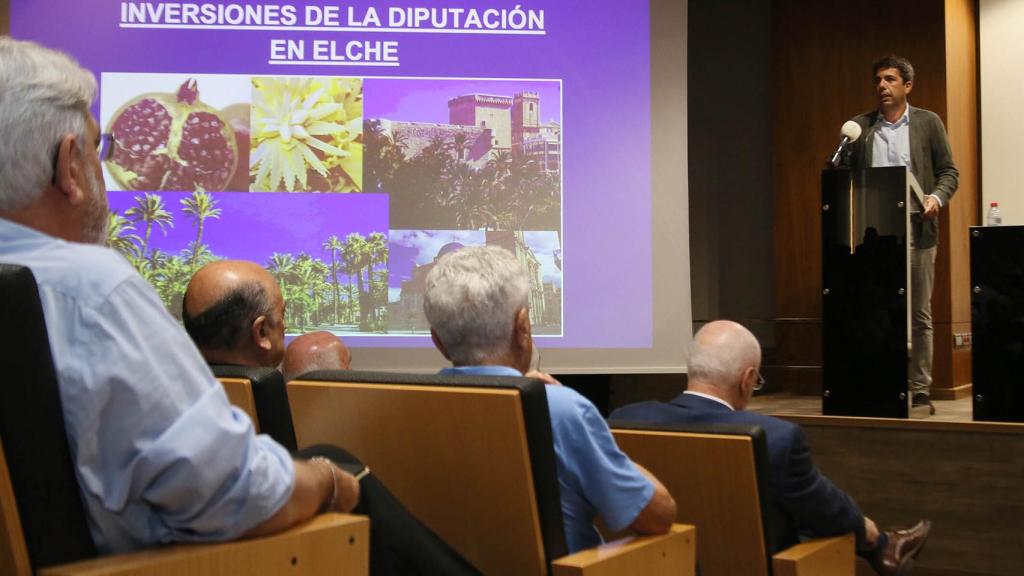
525 117
484 111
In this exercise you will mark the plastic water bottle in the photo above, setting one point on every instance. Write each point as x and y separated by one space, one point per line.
995 217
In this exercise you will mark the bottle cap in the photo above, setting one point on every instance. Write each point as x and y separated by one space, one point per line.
994 204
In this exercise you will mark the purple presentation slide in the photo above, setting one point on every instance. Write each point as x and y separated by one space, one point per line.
346 146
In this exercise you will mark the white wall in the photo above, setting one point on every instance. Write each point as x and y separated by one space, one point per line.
1002 107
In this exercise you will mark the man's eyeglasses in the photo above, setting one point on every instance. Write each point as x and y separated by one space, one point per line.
105 147
760 382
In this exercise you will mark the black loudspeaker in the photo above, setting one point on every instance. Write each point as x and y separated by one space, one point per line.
997 322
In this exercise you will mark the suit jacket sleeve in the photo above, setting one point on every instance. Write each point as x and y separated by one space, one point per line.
815 503
947 177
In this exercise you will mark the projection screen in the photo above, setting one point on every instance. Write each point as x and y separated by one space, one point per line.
347 145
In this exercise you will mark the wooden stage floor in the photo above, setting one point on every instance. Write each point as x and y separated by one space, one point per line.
783 403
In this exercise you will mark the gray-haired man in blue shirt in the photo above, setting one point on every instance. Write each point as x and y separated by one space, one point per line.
476 303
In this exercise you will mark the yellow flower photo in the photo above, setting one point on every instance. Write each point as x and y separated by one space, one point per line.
307 135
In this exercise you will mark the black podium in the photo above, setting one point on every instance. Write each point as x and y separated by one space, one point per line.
865 227
997 322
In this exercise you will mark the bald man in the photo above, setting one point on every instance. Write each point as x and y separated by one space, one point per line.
315 351
234 312
724 370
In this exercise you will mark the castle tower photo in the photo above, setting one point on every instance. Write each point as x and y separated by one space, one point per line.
484 111
525 117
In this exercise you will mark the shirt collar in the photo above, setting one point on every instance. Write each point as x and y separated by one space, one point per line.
10 228
490 370
710 397
904 119
11 231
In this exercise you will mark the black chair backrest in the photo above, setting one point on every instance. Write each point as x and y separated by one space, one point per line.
270 397
53 517
310 412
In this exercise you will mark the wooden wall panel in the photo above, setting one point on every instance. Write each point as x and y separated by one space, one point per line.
952 367
822 55
952 301
730 188
965 478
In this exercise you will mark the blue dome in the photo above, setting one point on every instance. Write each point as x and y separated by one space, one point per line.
449 247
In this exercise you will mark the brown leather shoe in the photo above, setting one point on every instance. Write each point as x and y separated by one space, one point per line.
904 545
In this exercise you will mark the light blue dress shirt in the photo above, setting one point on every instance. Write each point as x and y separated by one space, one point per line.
594 476
891 144
160 454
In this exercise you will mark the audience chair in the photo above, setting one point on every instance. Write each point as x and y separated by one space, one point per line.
43 525
471 457
719 477
260 393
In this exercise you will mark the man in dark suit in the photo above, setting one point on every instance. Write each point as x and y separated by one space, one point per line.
898 134
723 373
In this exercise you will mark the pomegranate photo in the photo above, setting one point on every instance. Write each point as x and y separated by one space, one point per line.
237 116
168 141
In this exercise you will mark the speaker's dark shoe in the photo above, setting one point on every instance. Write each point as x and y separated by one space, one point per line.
904 545
922 399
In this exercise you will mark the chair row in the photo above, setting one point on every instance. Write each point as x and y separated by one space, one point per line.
483 477
472 457
44 526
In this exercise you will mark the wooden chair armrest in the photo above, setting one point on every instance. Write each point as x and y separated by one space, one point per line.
327 544
673 553
818 557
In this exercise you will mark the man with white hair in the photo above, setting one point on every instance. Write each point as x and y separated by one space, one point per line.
160 454
476 303
724 370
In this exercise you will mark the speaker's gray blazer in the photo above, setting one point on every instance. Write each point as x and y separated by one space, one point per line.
932 159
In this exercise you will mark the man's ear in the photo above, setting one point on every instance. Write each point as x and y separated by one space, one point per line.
523 330
68 170
440 345
909 85
748 381
261 333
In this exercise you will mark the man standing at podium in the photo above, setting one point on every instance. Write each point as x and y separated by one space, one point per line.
898 134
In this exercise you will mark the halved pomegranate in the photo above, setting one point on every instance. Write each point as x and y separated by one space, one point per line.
172 142
238 117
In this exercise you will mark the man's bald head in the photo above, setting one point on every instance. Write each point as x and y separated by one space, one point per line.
315 351
234 312
725 356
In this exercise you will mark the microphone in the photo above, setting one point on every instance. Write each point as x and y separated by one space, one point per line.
850 132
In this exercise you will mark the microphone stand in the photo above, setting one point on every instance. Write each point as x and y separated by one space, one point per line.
834 160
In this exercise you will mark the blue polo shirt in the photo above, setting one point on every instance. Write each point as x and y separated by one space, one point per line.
595 478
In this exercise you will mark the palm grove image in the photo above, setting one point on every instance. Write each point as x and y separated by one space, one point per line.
335 282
